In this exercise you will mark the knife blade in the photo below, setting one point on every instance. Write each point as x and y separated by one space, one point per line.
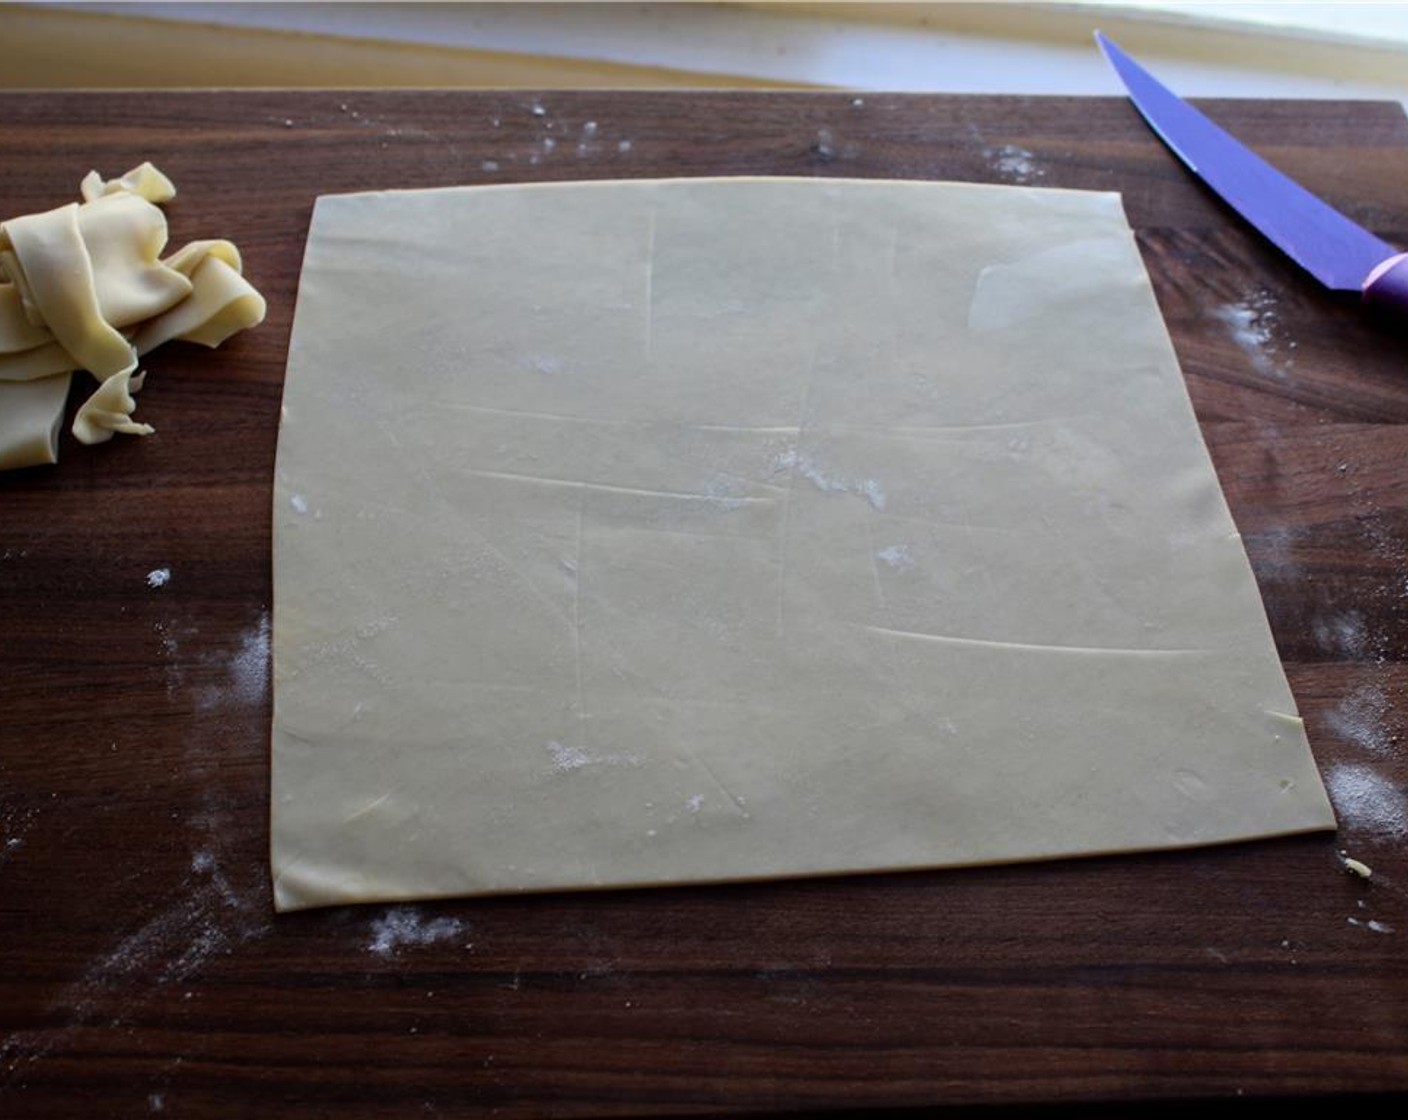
1340 253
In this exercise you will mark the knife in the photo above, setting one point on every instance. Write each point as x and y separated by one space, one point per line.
1341 254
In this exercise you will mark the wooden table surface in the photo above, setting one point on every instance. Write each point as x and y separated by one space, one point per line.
141 966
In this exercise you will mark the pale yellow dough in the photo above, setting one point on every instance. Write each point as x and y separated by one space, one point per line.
109 410
83 286
31 413
666 532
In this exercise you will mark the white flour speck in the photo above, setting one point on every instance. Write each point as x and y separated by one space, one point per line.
538 110
158 577
726 491
589 129
1247 332
695 803
156 1102
1252 323
623 146
549 143
11 846
566 759
807 467
1366 802
1372 924
857 102
405 925
490 165
1014 163
897 556
299 503
205 863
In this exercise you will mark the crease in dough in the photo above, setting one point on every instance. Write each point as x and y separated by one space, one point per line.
1038 647
84 287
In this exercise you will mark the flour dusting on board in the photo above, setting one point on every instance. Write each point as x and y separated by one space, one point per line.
158 577
407 925
216 901
1366 802
205 918
1274 553
1362 719
1253 324
14 824
1344 634
245 670
1017 165
171 635
249 669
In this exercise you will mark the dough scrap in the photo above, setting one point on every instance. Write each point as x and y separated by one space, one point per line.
83 286
144 180
655 532
109 410
48 261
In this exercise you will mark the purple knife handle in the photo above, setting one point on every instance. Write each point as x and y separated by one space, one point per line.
1387 286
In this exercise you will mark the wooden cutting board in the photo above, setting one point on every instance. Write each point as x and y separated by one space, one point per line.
141 966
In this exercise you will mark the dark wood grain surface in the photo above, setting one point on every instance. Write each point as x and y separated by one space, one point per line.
141 967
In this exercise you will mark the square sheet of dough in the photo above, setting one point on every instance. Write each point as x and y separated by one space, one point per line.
692 530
